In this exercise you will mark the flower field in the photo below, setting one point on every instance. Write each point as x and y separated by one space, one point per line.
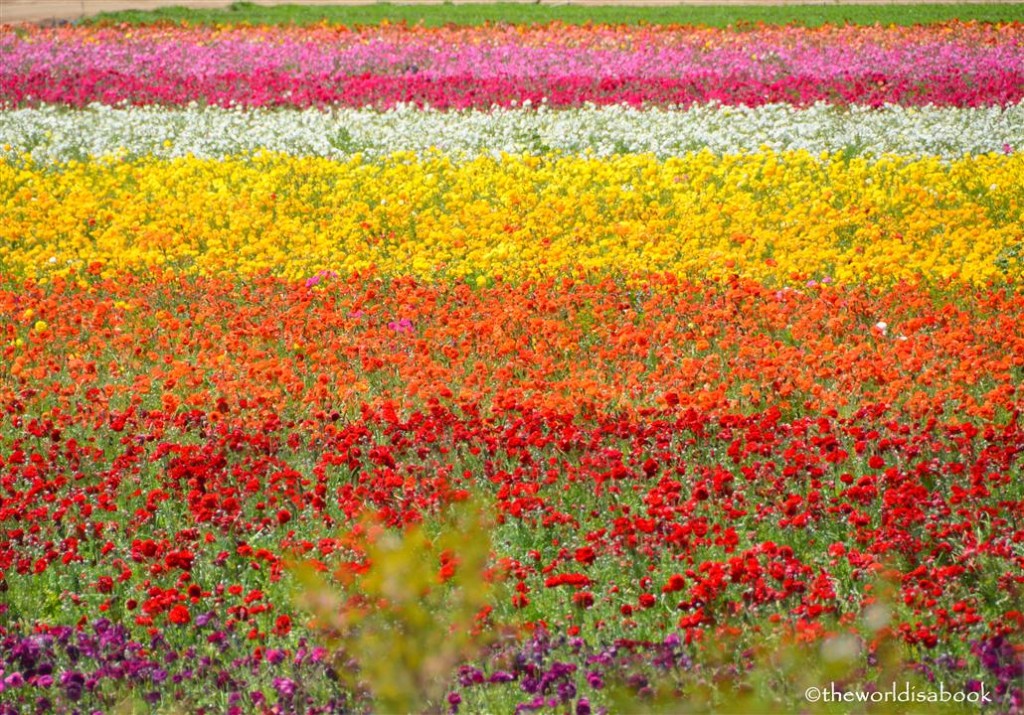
510 368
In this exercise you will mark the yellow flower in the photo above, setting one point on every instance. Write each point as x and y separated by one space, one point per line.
779 217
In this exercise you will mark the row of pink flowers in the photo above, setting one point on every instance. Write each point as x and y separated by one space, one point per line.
957 64
267 90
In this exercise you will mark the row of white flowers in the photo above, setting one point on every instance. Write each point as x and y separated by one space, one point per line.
54 134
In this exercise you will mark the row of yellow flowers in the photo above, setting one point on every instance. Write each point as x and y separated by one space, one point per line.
778 217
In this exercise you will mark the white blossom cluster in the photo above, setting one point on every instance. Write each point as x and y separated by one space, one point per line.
55 134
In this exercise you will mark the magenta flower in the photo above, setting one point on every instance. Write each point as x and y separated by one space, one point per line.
404 325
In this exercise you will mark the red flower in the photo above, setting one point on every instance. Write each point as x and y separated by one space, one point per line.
693 620
283 625
585 555
583 599
180 559
179 616
675 583
449 562
568 579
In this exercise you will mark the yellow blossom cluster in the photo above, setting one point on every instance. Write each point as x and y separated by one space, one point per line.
775 217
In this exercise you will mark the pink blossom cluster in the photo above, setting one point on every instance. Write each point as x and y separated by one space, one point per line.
946 65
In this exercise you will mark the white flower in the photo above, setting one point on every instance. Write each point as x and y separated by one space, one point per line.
212 132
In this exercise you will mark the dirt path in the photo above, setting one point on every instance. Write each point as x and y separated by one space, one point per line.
43 10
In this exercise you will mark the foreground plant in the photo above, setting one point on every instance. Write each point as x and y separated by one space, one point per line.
411 608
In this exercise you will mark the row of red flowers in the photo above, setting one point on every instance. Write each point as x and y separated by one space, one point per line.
675 520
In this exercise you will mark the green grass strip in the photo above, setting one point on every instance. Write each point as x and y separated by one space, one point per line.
438 15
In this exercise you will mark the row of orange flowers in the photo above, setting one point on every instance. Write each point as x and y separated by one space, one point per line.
173 342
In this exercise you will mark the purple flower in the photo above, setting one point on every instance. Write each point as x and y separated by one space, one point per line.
560 670
583 707
470 676
637 682
566 691
73 684
285 687
536 704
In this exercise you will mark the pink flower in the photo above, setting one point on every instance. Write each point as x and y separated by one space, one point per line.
403 325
